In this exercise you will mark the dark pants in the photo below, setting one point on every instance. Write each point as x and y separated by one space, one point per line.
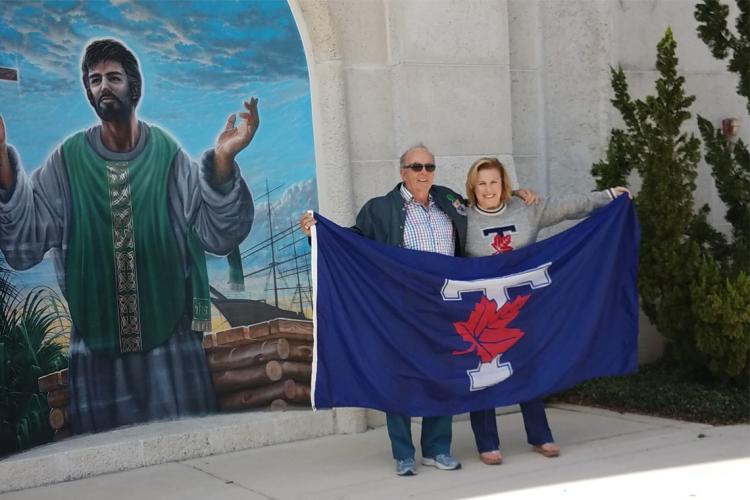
436 436
484 425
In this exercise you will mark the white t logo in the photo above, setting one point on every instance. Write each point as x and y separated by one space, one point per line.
497 288
494 372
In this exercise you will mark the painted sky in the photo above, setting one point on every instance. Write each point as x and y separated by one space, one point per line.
199 60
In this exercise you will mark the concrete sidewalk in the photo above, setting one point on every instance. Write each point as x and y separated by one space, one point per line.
604 455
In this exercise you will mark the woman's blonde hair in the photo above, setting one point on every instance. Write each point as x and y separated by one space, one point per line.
473 175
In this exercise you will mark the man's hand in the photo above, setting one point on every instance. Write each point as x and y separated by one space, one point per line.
528 196
306 222
233 139
6 173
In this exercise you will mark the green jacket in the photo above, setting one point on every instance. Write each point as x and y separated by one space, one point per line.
382 219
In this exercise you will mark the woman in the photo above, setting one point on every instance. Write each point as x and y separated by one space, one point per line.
493 206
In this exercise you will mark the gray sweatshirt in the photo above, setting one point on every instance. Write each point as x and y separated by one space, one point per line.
516 225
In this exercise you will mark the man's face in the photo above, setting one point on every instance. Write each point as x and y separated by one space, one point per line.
418 183
109 92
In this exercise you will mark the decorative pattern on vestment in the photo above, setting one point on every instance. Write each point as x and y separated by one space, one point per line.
126 274
201 315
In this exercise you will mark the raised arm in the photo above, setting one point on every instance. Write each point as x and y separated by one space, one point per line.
211 196
553 210
221 215
6 173
33 211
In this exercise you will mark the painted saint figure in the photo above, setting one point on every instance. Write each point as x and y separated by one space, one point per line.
128 217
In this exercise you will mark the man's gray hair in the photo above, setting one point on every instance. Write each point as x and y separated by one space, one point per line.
418 145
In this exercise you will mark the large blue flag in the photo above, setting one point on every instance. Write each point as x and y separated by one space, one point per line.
423 334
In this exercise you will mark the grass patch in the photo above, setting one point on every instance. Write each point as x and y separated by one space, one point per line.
663 390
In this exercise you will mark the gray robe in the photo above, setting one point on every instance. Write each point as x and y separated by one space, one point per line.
171 380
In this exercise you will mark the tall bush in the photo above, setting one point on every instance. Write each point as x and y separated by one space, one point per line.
725 284
693 283
713 29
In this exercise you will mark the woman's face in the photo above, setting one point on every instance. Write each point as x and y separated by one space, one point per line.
489 189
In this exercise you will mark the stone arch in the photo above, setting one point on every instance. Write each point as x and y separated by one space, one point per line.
330 128
330 133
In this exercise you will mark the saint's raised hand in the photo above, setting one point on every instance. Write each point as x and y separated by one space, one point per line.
233 139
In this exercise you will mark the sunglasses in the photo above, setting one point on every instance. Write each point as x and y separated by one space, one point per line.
417 167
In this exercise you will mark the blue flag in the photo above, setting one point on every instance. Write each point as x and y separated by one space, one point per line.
423 334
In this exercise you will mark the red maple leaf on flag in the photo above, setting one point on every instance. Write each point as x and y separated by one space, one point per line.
487 328
501 243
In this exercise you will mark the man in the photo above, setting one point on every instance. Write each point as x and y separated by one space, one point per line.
128 215
419 215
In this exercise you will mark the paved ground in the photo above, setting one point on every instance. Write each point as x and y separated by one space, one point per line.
605 455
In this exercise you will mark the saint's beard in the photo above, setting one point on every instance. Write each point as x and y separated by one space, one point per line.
118 110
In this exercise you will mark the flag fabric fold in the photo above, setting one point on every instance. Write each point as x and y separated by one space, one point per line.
423 334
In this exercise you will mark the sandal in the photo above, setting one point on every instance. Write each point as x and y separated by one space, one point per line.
549 450
491 457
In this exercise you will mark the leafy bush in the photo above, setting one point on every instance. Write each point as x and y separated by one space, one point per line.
694 284
666 390
30 346
714 31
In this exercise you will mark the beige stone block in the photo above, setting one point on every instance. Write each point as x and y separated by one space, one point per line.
361 30
373 178
525 112
110 457
303 424
370 113
349 420
19 473
248 435
447 31
169 447
576 91
375 419
530 173
523 27
331 141
458 110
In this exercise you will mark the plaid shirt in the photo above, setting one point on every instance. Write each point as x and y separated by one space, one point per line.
428 229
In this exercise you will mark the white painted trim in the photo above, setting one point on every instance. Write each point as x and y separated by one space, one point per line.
314 272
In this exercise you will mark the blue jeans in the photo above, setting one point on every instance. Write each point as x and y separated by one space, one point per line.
484 425
436 436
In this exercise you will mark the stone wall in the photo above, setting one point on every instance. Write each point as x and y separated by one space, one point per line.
525 80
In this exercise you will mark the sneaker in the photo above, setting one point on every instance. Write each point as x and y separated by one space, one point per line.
406 467
442 462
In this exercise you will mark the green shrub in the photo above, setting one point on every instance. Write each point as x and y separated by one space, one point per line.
713 29
29 348
693 282
666 390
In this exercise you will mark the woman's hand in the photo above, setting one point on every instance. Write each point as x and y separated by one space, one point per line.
621 190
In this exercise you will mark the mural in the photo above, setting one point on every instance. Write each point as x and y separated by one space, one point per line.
153 159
